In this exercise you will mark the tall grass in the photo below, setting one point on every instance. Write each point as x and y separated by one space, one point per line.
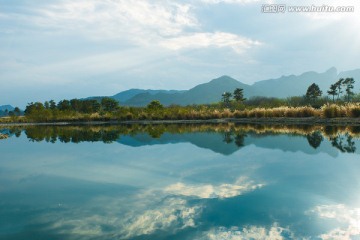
196 112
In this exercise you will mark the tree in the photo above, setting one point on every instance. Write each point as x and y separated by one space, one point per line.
333 91
76 104
34 108
109 104
239 95
17 111
155 105
349 84
47 105
338 84
64 105
313 92
12 114
52 104
226 97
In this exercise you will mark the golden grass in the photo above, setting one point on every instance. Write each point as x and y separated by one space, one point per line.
351 110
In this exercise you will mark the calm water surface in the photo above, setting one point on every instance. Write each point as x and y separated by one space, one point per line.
180 182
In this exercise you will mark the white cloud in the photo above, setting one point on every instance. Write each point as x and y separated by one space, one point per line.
140 23
225 190
137 21
217 39
348 217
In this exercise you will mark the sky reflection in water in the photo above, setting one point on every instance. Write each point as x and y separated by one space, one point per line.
179 182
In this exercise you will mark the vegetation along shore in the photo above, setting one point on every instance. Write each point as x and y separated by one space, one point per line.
310 108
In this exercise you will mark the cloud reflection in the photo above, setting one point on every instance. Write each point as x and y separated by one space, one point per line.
347 217
144 212
225 190
275 232
125 217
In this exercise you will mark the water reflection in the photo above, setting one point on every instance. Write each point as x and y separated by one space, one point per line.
315 139
222 138
162 182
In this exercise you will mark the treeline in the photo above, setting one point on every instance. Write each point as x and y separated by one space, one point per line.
340 92
12 113
65 109
233 105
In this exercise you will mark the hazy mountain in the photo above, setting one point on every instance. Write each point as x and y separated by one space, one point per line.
287 86
204 93
354 74
6 107
128 94
3 109
210 92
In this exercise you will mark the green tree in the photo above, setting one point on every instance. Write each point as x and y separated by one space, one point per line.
109 104
32 108
338 84
47 105
332 91
155 105
64 105
239 95
226 97
17 111
11 114
52 104
313 92
349 84
76 104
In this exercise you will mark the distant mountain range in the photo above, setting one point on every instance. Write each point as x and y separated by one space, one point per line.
6 107
210 92
3 109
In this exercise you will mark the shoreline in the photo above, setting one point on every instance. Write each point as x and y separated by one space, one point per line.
268 121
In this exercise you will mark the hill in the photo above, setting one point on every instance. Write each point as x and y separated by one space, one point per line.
203 93
210 92
6 107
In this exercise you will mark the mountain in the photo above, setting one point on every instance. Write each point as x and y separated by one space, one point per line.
128 94
6 107
123 97
287 86
3 109
354 74
210 92
204 93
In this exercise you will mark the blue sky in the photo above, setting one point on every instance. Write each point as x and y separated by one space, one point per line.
56 49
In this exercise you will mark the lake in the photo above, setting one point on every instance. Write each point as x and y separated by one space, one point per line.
190 181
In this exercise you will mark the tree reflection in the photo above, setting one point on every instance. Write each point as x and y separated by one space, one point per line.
315 139
232 135
344 143
228 137
240 139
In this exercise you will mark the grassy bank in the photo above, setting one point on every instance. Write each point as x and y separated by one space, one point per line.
203 112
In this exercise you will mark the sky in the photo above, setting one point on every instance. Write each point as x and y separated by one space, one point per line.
63 49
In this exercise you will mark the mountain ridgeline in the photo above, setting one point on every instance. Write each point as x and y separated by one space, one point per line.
285 86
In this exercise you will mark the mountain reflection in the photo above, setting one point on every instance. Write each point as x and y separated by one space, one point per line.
221 138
